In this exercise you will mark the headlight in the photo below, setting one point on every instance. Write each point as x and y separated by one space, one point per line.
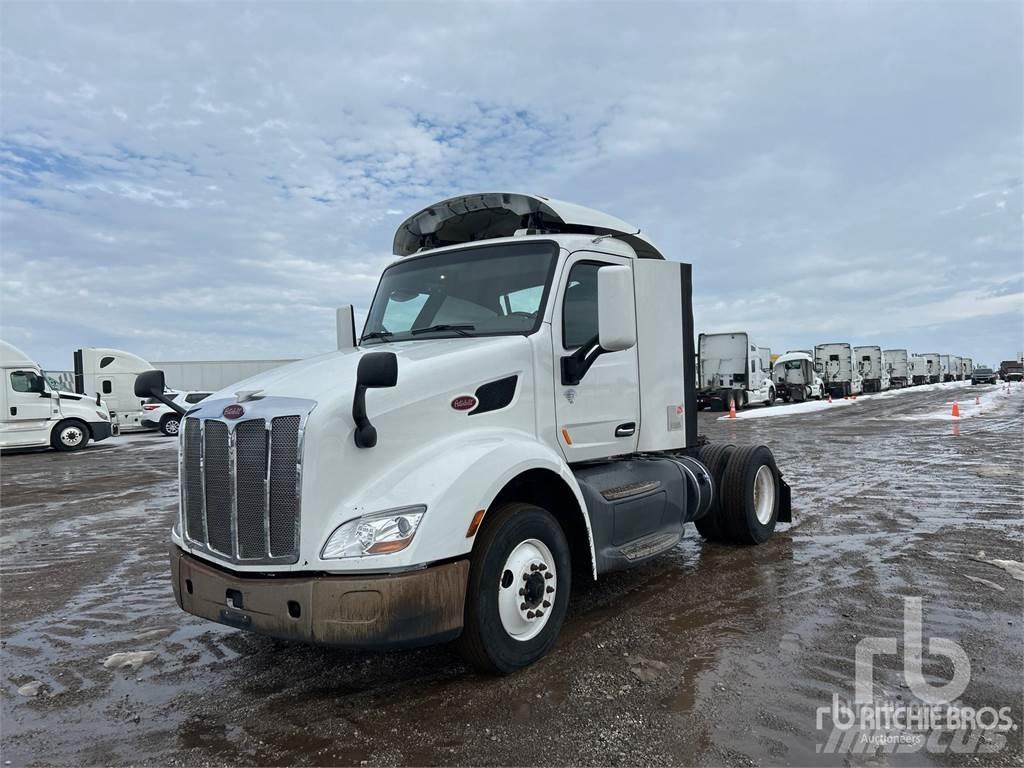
380 533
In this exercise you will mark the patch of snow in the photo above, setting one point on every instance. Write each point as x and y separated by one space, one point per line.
790 409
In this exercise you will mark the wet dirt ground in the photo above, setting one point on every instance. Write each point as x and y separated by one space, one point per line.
709 655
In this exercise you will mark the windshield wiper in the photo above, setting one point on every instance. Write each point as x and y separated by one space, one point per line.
376 335
459 329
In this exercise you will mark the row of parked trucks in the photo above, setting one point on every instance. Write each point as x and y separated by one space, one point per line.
733 369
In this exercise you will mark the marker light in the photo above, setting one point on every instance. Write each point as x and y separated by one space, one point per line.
380 533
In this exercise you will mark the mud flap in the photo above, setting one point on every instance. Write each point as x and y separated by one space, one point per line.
785 503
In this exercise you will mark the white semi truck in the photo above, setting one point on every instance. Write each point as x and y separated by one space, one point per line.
35 415
872 368
519 411
927 369
841 376
897 363
731 367
968 368
795 375
111 374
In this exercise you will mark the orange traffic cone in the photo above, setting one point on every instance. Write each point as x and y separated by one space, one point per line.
956 410
732 408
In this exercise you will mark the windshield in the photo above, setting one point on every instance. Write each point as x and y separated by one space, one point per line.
483 291
793 365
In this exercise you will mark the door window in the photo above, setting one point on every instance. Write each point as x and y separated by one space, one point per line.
107 387
26 381
579 307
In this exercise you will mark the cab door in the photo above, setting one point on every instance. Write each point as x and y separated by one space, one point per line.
28 408
599 416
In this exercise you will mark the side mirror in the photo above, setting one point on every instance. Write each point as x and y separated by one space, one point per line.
37 385
376 370
151 384
616 314
819 368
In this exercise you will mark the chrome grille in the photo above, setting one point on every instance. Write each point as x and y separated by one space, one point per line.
240 486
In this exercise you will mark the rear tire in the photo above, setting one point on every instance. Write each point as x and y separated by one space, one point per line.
170 424
712 526
69 435
499 635
750 494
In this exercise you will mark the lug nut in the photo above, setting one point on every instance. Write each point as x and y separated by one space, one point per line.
522 591
533 566
526 576
530 614
549 575
539 614
549 590
542 567
547 604
522 606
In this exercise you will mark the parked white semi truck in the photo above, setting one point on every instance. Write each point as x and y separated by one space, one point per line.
897 363
841 376
519 411
796 378
111 374
968 368
871 365
732 367
927 369
34 415
948 367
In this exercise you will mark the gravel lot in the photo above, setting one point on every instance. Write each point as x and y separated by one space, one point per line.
710 655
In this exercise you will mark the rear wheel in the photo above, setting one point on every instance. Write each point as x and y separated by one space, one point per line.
750 494
771 397
69 435
518 590
712 526
170 424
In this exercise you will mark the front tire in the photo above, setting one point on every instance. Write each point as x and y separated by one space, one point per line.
170 424
771 398
750 494
518 590
69 435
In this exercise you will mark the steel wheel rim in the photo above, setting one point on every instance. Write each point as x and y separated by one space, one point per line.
71 436
764 494
172 426
527 587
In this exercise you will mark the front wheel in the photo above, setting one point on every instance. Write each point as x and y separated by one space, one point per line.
69 435
771 398
518 590
170 424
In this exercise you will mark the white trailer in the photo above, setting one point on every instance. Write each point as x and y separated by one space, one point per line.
842 378
897 363
968 368
948 367
111 374
35 415
796 378
730 367
871 365
519 412
211 375
927 368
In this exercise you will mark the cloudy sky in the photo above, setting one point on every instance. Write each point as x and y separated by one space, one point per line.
210 181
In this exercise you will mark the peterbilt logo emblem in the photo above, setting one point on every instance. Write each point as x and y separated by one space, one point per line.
464 403
233 411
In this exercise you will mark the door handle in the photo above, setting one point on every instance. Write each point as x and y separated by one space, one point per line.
625 430
14 411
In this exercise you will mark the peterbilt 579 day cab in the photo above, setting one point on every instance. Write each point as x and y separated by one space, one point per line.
897 363
873 372
842 377
731 367
796 379
518 412
34 415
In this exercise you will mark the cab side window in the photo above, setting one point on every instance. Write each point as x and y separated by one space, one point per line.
26 381
579 306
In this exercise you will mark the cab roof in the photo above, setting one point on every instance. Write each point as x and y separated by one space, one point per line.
490 215
12 357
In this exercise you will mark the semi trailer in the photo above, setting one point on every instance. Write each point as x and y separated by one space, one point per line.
898 364
35 415
949 367
518 412
927 369
732 368
968 368
842 378
871 365
795 375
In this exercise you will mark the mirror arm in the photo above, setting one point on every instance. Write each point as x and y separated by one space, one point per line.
366 433
169 403
576 365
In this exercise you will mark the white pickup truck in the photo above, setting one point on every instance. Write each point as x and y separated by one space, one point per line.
517 413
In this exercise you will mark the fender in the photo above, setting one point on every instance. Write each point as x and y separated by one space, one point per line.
461 474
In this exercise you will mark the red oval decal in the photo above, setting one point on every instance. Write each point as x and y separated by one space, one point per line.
233 411
464 403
